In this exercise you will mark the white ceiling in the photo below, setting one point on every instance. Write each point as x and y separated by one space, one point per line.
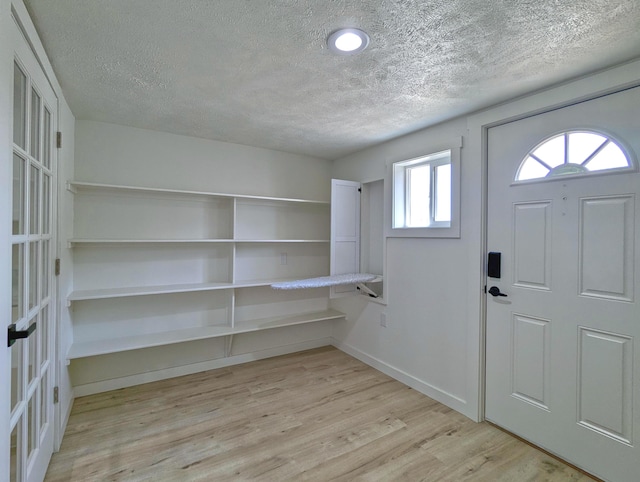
258 72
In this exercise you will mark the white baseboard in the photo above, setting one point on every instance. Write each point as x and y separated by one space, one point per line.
139 379
441 396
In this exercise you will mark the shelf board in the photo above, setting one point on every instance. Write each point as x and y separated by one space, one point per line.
78 241
116 345
88 242
107 293
284 241
77 186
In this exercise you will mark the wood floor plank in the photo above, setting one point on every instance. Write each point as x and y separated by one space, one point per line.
317 415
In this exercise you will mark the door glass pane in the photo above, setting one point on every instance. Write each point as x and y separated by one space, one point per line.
43 329
14 453
552 151
582 145
31 345
611 157
17 284
44 394
46 269
46 203
36 103
33 273
19 185
16 374
31 426
47 134
34 200
19 107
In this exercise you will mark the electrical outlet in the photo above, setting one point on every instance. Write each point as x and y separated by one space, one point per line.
283 258
383 319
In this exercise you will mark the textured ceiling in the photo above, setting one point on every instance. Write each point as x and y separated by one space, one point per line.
258 72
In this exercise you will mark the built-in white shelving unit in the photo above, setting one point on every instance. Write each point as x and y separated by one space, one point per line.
155 266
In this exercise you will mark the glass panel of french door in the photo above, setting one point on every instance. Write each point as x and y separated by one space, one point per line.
19 107
15 452
32 241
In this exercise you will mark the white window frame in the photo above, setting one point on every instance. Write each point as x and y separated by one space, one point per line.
398 194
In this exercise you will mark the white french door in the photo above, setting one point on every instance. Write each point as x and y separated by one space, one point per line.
563 353
32 240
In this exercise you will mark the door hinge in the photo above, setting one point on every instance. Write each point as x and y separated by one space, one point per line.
359 189
59 140
56 395
56 269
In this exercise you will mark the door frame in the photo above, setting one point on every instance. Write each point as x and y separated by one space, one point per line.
6 167
606 82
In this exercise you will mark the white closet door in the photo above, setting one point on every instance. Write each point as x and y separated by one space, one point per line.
345 232
32 239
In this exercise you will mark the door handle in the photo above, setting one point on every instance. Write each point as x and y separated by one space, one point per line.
495 291
14 334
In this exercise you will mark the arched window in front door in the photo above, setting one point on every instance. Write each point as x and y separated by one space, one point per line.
573 153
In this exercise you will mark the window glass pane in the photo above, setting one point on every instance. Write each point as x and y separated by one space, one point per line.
17 282
14 452
611 157
19 185
582 145
46 270
47 136
552 151
17 388
443 193
33 273
35 124
34 200
419 180
46 203
19 107
531 169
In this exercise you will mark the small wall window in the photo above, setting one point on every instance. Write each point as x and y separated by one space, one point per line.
425 195
422 192
573 153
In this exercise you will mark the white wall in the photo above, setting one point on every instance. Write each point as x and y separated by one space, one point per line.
434 287
113 154
429 286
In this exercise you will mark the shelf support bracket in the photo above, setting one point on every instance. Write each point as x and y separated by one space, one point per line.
365 290
228 345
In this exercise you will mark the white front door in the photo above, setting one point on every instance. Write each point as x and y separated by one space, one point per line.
32 313
563 353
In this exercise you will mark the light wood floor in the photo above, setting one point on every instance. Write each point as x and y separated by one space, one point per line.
316 415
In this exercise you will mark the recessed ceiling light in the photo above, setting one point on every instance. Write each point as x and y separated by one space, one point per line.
348 41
